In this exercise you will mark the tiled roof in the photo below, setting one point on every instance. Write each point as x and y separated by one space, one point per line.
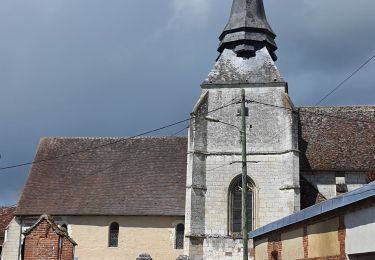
6 215
337 138
140 176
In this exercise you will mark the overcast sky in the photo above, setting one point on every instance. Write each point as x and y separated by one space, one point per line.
117 68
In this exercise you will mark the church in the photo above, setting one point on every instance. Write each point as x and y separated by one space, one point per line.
171 196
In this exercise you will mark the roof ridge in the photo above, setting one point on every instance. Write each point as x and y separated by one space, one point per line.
340 106
109 137
8 207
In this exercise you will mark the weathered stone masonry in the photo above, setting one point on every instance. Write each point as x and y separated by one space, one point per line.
215 149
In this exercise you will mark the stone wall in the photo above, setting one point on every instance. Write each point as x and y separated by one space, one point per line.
214 161
325 181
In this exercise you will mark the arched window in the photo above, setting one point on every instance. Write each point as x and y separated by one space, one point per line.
235 205
113 235
180 231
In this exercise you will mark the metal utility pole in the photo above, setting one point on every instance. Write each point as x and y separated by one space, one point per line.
244 178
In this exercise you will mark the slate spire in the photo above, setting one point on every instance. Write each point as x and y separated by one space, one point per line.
248 30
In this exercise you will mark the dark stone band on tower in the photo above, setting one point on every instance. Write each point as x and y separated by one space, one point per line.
248 30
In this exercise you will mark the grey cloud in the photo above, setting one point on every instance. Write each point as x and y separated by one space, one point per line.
116 68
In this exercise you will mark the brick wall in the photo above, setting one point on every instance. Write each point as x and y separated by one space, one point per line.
67 251
42 242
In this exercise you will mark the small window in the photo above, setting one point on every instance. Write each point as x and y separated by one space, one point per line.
113 235
180 231
341 188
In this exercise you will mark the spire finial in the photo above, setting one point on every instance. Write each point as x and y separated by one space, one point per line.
248 30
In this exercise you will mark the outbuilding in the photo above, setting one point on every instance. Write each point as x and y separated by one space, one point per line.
339 228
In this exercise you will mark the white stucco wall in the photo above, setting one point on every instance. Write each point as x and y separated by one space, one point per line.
360 230
154 235
12 240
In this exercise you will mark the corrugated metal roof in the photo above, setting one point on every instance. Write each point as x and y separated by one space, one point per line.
346 199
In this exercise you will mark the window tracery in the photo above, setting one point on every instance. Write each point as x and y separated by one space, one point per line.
235 206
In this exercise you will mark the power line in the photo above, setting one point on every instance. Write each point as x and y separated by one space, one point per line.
119 162
309 112
180 131
314 113
112 142
346 79
321 100
218 167
185 120
294 111
93 148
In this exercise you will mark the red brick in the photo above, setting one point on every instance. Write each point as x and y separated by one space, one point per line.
42 242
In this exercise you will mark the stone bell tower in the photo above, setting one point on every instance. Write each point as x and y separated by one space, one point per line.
213 212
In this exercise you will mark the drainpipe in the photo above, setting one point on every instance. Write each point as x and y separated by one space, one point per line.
60 249
20 240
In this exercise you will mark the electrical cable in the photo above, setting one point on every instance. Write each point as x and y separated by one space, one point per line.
112 142
218 167
180 131
346 79
214 110
314 113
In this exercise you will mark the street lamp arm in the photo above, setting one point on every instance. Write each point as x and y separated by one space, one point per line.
214 120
